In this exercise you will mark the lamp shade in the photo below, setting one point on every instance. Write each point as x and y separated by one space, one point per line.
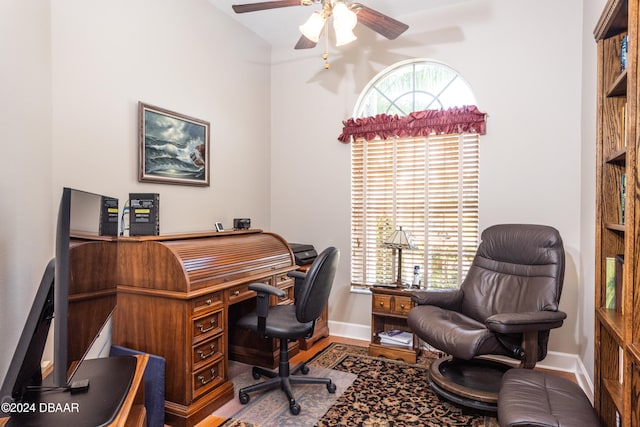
344 21
313 27
400 239
344 36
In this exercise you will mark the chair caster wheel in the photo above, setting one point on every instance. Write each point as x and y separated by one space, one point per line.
294 408
244 398
255 374
331 388
304 369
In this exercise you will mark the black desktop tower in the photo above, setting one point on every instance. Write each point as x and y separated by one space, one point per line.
144 214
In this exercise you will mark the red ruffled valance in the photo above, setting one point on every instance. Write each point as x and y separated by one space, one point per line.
456 120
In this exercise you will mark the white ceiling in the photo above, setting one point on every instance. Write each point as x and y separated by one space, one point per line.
279 27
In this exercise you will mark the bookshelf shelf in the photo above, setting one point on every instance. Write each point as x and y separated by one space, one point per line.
619 86
617 335
618 158
613 322
614 388
615 227
634 352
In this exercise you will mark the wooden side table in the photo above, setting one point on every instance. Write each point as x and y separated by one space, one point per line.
389 310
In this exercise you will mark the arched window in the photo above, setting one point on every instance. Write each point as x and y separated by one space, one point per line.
414 86
428 185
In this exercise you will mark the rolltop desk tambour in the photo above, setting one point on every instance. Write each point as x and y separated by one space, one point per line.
178 297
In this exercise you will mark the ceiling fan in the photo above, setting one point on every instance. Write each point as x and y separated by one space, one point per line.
345 14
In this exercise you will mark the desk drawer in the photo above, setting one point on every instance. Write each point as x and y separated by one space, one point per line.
240 293
282 279
381 303
208 350
289 298
401 305
208 377
206 303
207 325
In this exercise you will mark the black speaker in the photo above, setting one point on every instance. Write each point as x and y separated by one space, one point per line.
109 217
144 214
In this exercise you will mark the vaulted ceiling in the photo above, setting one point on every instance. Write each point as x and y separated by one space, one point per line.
279 27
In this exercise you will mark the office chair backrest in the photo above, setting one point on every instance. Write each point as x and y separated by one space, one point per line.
517 268
314 292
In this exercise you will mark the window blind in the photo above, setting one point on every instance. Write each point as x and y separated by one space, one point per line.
429 186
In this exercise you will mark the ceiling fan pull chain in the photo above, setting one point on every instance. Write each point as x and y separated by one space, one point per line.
325 55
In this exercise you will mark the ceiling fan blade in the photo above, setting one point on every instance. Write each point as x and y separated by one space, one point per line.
305 43
254 7
379 22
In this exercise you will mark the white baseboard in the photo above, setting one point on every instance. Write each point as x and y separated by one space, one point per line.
350 330
557 361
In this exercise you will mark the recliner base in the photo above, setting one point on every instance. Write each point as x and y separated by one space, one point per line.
471 383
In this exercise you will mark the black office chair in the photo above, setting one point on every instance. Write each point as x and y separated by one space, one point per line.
290 322
506 306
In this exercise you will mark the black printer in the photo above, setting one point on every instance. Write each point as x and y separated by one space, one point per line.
304 254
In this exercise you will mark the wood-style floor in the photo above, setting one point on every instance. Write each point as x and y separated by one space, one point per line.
212 421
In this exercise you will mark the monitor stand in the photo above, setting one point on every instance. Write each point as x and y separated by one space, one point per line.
109 382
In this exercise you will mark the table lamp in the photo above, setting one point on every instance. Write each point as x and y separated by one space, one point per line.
399 240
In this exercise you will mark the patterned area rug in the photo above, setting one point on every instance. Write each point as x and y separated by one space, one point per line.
386 393
393 393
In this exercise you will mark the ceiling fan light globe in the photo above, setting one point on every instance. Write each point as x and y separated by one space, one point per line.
344 36
313 27
344 17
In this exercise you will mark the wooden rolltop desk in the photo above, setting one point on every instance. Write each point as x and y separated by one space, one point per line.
178 296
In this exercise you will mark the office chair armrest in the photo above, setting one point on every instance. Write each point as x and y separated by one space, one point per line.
267 289
262 302
299 277
262 299
508 323
450 299
297 274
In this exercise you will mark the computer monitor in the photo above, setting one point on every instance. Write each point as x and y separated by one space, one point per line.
85 276
77 291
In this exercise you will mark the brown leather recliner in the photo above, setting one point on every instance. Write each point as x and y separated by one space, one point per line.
506 305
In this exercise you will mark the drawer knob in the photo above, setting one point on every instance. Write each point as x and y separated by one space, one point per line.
402 306
204 381
208 302
236 293
200 326
381 304
205 356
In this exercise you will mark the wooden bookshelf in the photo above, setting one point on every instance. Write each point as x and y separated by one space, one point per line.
617 334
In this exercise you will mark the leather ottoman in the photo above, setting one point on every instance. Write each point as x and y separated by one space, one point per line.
534 398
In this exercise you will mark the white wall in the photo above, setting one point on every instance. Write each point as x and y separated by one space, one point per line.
591 14
26 240
184 56
525 74
72 75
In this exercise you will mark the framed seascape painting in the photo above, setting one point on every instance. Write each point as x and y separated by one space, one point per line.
174 148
